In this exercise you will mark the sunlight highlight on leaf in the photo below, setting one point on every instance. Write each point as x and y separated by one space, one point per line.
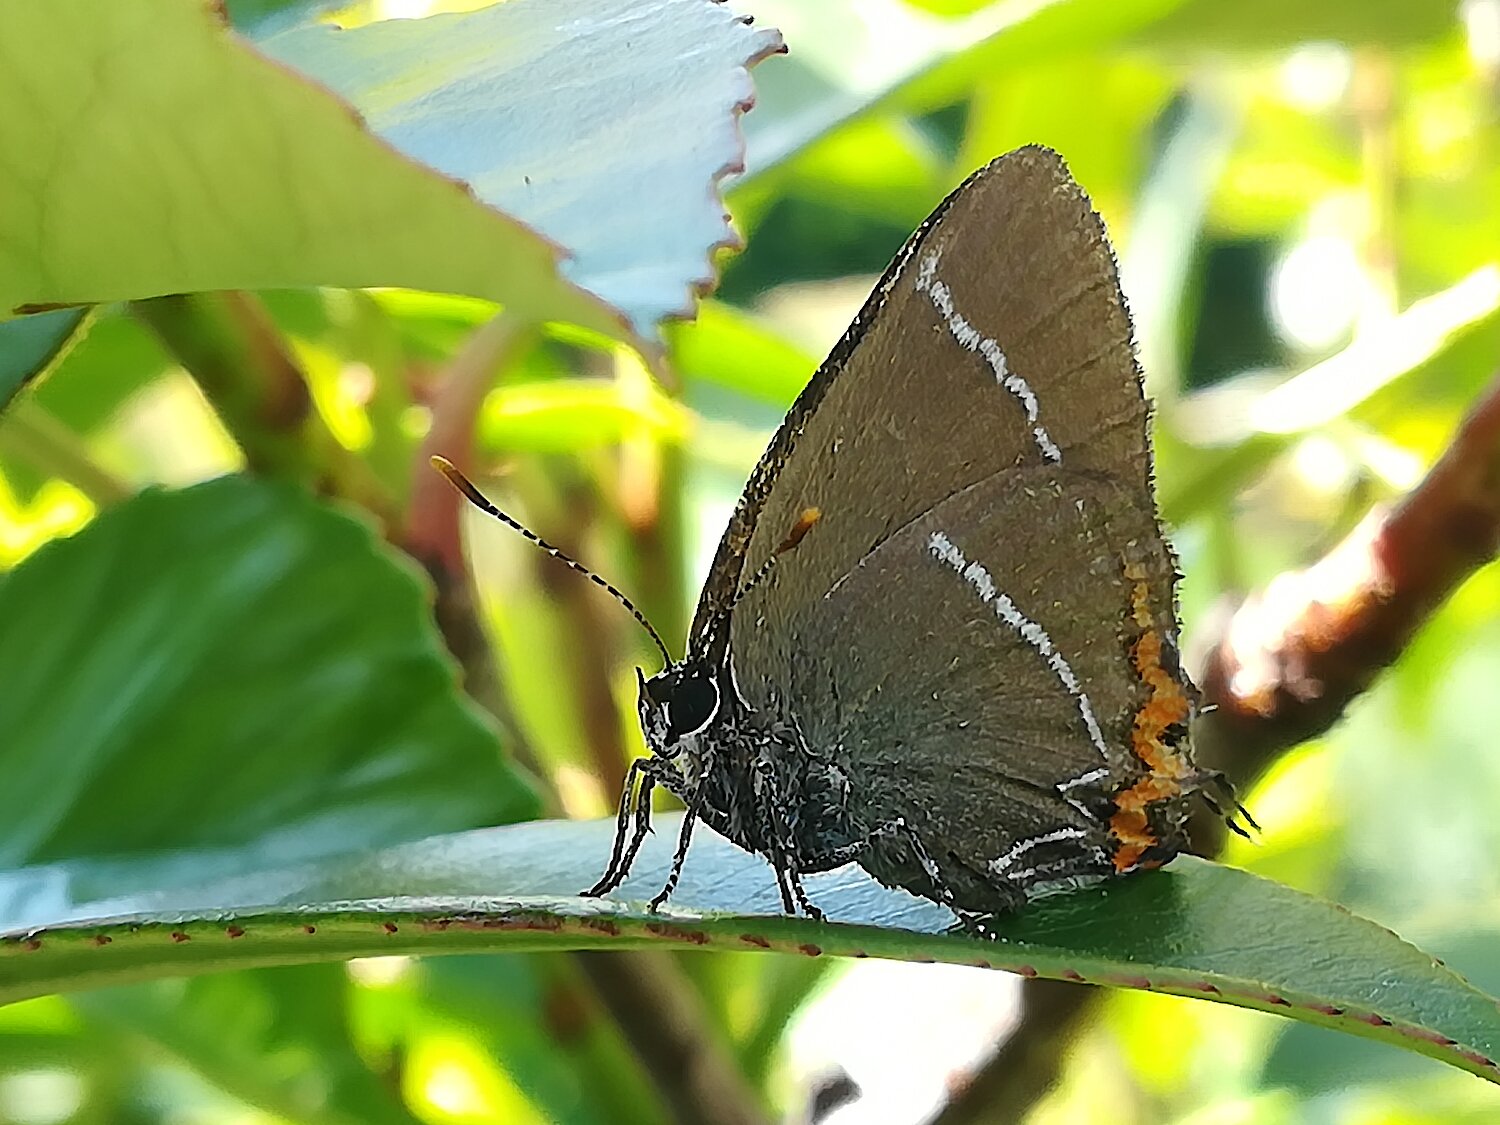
59 509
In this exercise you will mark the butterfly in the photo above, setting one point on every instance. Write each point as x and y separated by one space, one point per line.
939 637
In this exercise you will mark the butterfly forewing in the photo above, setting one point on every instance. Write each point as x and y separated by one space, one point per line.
961 630
912 405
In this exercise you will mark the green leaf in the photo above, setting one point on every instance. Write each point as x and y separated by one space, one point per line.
726 346
916 63
538 1019
232 666
571 414
653 91
1193 929
30 345
277 1039
949 7
210 167
1283 23
206 681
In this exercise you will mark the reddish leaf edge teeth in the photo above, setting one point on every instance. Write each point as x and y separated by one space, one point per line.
411 929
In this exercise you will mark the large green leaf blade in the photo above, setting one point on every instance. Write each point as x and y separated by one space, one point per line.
1280 23
277 1039
155 153
1194 929
152 703
204 681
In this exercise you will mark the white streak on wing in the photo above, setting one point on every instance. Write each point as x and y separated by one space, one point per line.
969 336
1024 846
1061 867
929 865
1033 634
1083 779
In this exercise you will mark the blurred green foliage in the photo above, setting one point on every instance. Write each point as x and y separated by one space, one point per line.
1280 179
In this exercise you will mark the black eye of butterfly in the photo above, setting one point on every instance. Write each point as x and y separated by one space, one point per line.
690 705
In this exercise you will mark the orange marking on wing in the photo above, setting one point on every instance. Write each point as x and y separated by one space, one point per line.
803 525
1166 706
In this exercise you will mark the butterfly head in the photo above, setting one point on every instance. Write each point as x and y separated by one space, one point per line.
676 705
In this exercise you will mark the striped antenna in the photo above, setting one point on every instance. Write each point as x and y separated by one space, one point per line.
477 498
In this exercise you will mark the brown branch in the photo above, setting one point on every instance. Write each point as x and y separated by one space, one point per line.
1294 656
433 535
663 1019
591 631
434 512
1027 1064
1290 661
647 994
231 347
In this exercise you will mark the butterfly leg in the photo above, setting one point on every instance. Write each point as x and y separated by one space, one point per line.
782 850
639 802
792 888
789 877
1224 804
929 865
622 830
788 904
800 894
679 857
788 870
642 826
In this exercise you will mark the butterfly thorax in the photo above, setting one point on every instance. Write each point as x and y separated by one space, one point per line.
749 775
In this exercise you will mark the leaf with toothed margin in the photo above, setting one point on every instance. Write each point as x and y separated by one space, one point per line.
622 173
466 174
1193 929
